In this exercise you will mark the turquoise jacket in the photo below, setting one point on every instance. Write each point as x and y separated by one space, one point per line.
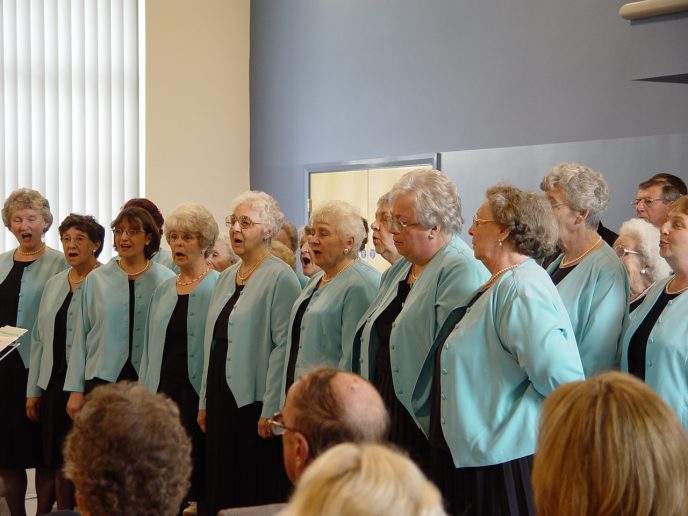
162 305
54 294
330 321
666 355
449 280
101 340
512 348
33 281
163 257
257 332
596 295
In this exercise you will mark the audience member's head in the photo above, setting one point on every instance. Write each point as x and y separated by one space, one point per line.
326 407
364 479
288 235
609 446
655 195
283 252
128 453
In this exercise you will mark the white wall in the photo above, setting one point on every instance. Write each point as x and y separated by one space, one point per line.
197 102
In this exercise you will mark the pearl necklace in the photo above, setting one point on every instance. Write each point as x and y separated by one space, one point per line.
250 271
635 298
498 274
325 281
666 288
148 264
186 283
578 258
73 281
30 253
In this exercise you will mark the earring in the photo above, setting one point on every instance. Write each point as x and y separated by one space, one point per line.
643 271
346 250
499 242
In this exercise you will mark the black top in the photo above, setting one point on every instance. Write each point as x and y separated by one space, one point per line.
60 337
436 437
560 273
638 343
383 325
220 329
295 338
607 234
9 294
174 361
635 304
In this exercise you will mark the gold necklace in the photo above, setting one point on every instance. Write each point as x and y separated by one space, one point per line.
578 258
666 288
497 274
30 253
413 275
185 283
246 275
325 281
148 264
74 282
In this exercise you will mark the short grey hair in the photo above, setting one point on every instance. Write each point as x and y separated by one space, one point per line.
346 221
26 199
384 200
583 187
528 217
270 213
437 199
646 237
193 218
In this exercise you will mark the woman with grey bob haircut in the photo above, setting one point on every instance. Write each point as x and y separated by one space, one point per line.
590 278
193 218
638 249
582 187
436 199
271 215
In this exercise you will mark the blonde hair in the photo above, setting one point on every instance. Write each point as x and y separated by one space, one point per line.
283 252
23 199
364 479
680 205
346 221
194 218
608 446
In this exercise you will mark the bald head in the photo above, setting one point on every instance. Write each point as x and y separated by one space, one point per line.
330 406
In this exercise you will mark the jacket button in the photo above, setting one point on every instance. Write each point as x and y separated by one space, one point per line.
444 421
444 371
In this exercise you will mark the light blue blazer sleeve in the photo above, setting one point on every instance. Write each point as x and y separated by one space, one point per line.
449 280
101 340
596 296
33 281
666 355
329 323
162 305
510 350
257 332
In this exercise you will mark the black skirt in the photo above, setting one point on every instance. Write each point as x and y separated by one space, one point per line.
242 469
55 423
496 490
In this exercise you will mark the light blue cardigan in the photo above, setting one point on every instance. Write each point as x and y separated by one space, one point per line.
54 294
449 280
330 321
596 295
257 332
101 341
33 281
666 355
511 349
162 305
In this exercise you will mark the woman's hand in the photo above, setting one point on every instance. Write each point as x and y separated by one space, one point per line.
264 428
74 404
33 406
201 419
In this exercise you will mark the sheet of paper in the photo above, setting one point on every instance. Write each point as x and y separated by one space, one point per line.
8 335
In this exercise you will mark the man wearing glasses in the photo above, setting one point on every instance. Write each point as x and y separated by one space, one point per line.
655 195
324 407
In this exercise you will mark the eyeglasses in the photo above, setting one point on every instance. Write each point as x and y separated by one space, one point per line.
622 251
477 221
131 232
555 205
77 240
277 424
185 237
244 221
647 202
400 225
387 221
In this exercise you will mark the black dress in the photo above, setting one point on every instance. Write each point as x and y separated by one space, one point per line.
174 382
241 468
55 423
495 490
20 438
403 429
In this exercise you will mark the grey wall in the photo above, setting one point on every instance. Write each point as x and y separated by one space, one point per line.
335 80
